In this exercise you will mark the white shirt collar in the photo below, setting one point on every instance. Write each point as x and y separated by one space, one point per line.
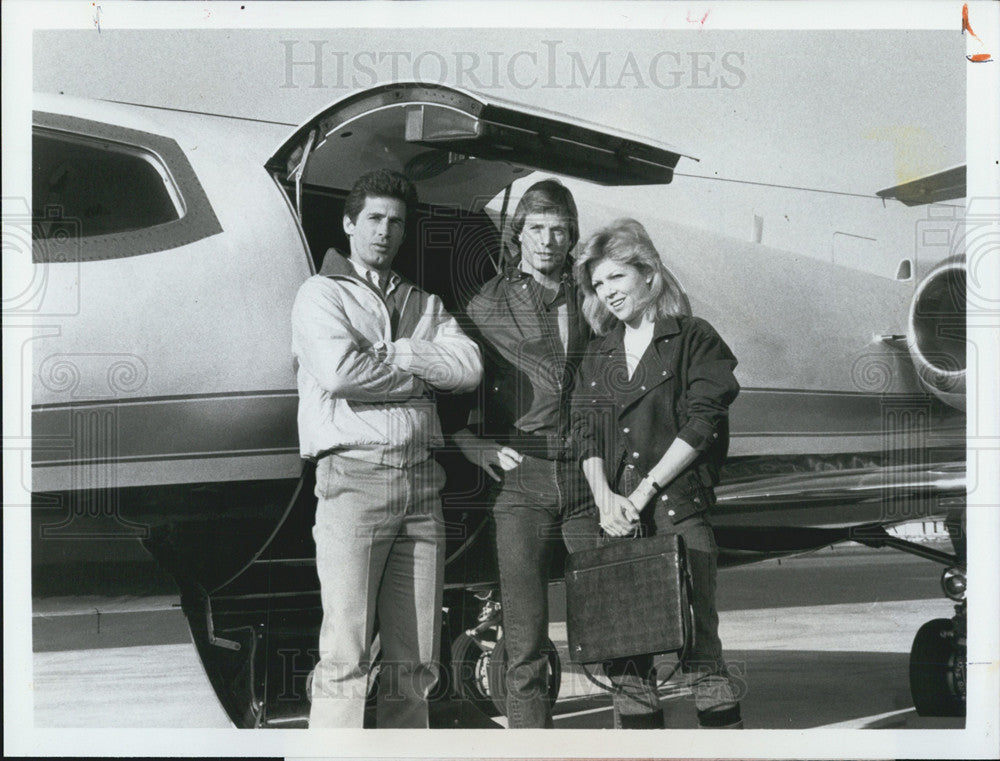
372 277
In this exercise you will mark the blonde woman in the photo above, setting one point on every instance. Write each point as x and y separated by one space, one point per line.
650 415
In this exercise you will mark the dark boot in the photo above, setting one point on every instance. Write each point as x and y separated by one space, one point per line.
725 718
641 720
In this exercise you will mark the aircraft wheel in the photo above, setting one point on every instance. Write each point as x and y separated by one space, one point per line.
498 674
937 670
470 669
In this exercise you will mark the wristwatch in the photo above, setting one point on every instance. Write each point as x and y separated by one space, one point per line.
650 482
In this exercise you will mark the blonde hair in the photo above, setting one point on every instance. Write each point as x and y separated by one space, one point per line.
626 241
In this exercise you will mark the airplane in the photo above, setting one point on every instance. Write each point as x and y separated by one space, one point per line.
169 245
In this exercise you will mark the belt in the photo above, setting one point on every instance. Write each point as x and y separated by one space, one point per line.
543 446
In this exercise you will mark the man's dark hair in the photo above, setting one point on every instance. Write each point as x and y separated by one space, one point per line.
542 197
381 183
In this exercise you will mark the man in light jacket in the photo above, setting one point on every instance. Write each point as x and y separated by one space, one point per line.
371 348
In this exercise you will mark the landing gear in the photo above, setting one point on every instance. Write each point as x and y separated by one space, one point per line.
471 652
937 668
938 654
479 663
938 657
471 670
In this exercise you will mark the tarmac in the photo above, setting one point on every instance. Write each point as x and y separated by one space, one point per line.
838 662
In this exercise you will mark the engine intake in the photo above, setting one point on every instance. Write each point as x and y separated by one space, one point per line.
936 332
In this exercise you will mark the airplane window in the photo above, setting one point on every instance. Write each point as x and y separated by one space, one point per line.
85 188
102 191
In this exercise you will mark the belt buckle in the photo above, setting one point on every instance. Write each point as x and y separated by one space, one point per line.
559 447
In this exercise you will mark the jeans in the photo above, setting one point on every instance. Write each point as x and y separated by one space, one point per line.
538 500
379 551
715 694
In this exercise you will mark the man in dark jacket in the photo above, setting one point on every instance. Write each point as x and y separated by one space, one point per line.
528 323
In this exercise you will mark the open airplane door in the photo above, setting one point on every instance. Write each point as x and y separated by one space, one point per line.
460 148
257 632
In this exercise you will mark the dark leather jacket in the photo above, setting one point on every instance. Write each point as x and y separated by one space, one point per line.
528 376
682 387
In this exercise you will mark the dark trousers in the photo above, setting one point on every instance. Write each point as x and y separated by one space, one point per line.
538 501
715 694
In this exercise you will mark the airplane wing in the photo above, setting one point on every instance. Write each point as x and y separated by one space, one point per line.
776 515
837 499
933 188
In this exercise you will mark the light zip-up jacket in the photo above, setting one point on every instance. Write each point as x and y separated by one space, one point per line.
364 392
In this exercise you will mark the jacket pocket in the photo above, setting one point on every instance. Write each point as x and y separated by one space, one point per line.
697 491
360 423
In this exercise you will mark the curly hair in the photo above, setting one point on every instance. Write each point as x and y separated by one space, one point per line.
381 183
626 241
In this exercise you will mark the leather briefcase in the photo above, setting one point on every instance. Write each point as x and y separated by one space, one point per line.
627 598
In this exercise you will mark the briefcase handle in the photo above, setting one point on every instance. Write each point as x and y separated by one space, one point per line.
641 532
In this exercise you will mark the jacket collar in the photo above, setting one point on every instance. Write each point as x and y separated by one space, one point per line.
512 271
335 264
664 327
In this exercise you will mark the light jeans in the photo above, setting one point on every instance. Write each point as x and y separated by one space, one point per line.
379 537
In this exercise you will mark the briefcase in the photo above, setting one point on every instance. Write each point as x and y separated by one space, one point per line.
627 598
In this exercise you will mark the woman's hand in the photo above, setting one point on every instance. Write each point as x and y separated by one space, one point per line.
619 516
487 454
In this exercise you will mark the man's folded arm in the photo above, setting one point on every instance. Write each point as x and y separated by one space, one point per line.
442 355
335 356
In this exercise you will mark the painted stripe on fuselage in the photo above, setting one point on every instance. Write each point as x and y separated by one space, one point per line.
799 412
160 428
252 423
165 398
174 457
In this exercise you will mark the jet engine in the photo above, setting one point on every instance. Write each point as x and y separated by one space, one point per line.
936 331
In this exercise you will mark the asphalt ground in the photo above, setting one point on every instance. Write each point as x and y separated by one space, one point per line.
816 641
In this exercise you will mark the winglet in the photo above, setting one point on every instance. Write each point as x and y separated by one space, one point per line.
933 188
